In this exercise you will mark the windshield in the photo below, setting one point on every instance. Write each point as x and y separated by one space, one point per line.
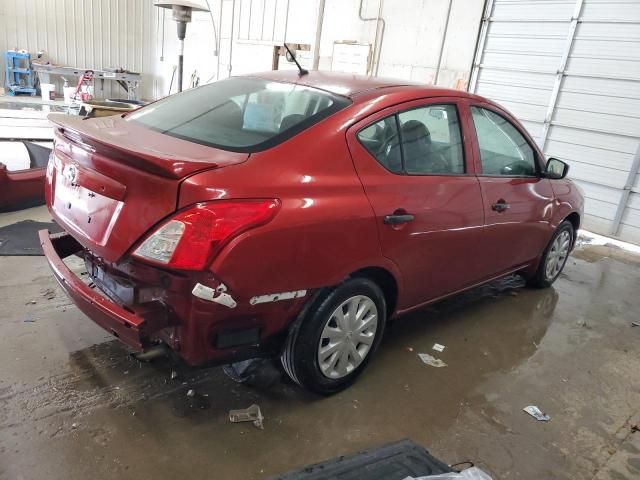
240 114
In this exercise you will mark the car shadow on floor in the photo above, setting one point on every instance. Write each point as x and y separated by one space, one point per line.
490 328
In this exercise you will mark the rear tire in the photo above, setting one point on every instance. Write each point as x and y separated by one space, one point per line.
554 256
335 336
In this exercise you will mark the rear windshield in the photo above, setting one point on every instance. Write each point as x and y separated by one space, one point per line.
240 114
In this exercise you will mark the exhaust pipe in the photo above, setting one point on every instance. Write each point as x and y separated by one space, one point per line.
157 351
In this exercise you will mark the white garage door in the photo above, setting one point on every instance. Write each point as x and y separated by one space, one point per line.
570 71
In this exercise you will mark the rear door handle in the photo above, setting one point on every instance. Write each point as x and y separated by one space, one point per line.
398 219
500 206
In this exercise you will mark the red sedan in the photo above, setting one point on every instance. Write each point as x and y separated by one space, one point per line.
292 215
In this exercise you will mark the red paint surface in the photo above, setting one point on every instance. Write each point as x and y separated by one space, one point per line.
333 197
22 187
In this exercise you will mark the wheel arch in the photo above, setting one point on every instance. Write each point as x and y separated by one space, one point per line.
574 218
387 283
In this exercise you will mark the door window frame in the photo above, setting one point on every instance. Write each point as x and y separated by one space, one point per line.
537 154
395 110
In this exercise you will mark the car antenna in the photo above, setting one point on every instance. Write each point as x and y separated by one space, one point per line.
293 57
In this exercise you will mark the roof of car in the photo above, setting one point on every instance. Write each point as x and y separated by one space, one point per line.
346 84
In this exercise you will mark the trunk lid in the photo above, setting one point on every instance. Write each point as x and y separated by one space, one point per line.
109 181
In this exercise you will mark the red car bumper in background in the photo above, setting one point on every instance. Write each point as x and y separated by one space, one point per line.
122 324
21 189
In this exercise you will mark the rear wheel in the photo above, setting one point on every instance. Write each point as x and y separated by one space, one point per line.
336 336
554 257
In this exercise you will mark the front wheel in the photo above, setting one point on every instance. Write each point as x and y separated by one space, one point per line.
336 336
554 257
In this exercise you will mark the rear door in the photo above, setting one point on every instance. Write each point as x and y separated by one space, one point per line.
518 203
416 169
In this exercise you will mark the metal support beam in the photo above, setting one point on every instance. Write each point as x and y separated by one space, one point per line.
316 45
442 42
626 191
561 73
482 38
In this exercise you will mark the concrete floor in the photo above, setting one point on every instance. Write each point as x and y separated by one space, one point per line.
74 406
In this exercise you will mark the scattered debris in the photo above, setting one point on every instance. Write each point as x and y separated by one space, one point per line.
31 302
256 372
49 294
174 375
635 428
30 320
438 348
635 324
191 393
473 473
536 413
251 414
74 425
513 293
429 360
408 349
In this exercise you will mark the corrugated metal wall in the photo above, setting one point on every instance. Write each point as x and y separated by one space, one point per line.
85 34
570 70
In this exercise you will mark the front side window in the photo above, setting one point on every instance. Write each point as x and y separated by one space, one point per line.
503 149
241 114
421 141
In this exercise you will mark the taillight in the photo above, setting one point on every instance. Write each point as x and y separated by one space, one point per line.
191 238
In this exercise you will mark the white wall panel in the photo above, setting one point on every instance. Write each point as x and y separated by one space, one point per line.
606 142
590 155
595 117
534 9
85 34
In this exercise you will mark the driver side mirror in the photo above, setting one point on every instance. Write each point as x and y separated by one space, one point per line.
556 169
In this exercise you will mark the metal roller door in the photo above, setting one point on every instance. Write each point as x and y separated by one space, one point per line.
570 71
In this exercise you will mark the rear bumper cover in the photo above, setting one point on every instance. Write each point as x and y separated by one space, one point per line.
121 323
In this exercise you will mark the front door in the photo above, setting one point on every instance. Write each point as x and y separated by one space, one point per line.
417 172
517 201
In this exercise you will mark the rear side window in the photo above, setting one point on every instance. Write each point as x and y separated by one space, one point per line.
383 142
421 141
240 114
431 140
503 149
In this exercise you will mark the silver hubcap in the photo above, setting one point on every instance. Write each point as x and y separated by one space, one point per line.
347 336
557 255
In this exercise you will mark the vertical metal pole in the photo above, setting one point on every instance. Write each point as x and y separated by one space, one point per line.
180 62
482 38
626 192
561 73
219 41
316 46
444 39
233 22
286 23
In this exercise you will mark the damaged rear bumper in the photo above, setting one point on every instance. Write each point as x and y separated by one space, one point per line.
131 328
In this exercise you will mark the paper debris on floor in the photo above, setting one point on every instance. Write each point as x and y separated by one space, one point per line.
438 348
536 413
251 414
429 360
473 473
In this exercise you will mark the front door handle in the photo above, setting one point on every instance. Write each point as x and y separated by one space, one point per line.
398 219
500 206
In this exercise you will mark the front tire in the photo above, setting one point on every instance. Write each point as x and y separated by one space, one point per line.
336 335
554 257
